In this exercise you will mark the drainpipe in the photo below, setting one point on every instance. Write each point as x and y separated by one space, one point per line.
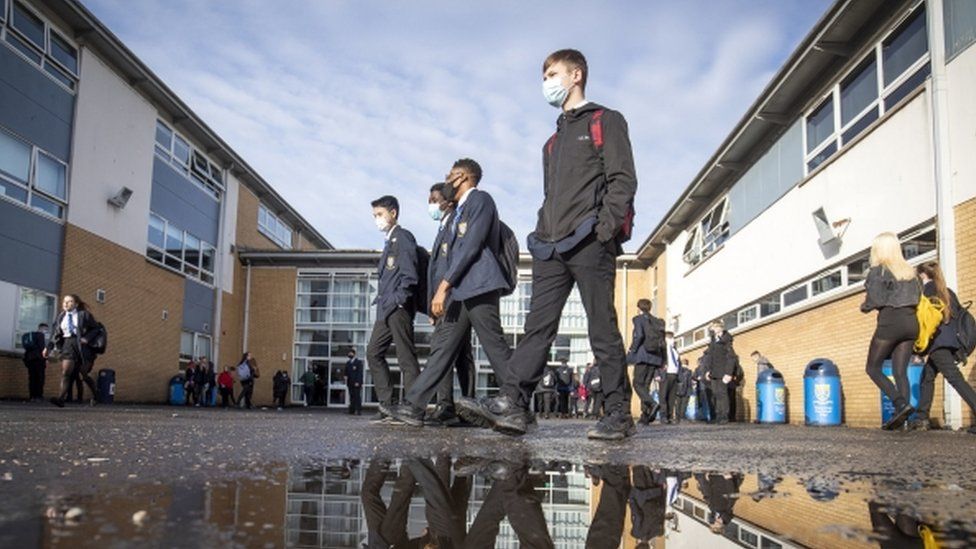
942 168
623 309
247 303
219 274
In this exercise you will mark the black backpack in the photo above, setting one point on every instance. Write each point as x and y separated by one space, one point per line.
548 378
654 334
565 375
421 292
965 332
508 257
98 341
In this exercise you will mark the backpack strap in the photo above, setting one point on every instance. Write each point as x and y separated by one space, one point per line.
596 129
550 144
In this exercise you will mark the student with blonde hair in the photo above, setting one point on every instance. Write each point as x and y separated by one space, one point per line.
893 289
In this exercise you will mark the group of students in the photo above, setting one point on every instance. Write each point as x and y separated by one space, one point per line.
586 214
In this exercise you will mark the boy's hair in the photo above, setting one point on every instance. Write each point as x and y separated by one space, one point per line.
755 353
437 188
471 167
573 59
42 325
389 202
644 304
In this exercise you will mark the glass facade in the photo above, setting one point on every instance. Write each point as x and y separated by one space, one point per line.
334 313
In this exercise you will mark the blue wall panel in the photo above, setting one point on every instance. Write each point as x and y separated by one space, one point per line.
30 249
182 203
32 105
198 306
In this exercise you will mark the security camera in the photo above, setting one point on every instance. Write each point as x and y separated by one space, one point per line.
121 198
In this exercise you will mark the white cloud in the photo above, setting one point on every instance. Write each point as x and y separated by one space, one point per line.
337 103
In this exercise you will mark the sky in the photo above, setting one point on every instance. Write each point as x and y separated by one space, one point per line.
336 103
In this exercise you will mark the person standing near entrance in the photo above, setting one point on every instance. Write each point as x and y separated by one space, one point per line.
354 382
669 386
395 305
587 212
720 360
308 386
647 350
34 344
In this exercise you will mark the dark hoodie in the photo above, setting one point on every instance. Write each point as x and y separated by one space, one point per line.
721 357
585 189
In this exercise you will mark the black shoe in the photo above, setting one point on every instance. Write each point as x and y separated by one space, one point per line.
972 430
530 419
616 425
898 418
919 424
406 413
57 402
442 416
500 413
652 413
379 417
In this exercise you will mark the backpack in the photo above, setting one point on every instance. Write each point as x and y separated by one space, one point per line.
965 332
626 229
565 376
653 334
508 257
929 314
99 339
548 379
421 291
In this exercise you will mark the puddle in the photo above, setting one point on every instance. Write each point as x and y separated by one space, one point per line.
472 502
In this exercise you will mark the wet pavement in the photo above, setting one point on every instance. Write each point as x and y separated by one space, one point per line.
121 476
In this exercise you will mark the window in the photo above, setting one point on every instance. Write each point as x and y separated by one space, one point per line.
857 270
885 75
32 177
33 308
35 38
177 249
748 314
826 282
708 235
795 295
919 243
194 345
176 150
270 226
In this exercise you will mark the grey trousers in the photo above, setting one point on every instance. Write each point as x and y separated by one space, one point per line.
396 329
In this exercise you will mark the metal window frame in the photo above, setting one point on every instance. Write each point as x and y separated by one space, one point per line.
201 274
270 227
7 27
213 188
31 185
17 309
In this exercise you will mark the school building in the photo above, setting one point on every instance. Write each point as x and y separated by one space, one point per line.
870 126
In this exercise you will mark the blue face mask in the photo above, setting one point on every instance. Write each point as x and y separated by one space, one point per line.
554 92
435 211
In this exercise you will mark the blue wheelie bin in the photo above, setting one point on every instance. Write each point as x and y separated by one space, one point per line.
106 386
770 397
915 370
177 394
822 402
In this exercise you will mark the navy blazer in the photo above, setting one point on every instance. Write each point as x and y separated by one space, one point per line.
354 372
437 267
475 235
638 354
397 274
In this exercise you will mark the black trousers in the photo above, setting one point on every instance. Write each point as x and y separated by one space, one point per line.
720 394
942 362
226 395
247 391
643 376
446 518
355 399
681 408
563 403
547 402
387 525
35 377
480 313
516 498
591 267
396 329
669 397
464 368
893 338
607 526
596 404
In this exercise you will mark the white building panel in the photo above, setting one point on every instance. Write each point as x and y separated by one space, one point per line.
883 183
229 236
961 76
113 148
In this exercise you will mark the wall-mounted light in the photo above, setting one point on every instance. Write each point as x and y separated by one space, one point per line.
121 198
100 295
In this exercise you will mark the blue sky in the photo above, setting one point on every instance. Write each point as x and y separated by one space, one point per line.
337 103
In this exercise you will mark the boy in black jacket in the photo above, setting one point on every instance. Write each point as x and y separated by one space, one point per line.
589 184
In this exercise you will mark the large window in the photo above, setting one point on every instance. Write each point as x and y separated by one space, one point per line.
194 346
892 69
179 250
35 39
33 308
708 235
274 228
176 150
32 177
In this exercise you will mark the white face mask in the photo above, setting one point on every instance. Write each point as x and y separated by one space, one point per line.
435 211
382 223
554 91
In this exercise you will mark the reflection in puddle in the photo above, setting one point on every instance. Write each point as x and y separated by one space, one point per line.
472 502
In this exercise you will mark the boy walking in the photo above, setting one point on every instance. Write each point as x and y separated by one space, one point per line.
589 184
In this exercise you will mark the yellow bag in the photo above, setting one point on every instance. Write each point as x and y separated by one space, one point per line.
929 314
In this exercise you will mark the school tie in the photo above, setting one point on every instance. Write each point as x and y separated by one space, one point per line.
71 324
457 217
674 358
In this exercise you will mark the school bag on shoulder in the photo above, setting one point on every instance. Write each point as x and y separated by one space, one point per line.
653 334
508 257
420 293
99 341
965 332
929 314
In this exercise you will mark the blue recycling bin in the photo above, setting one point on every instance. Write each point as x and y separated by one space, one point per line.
822 400
106 386
177 394
691 411
770 397
915 370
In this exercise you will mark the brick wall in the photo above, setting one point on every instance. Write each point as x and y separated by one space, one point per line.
248 235
271 329
143 348
966 275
